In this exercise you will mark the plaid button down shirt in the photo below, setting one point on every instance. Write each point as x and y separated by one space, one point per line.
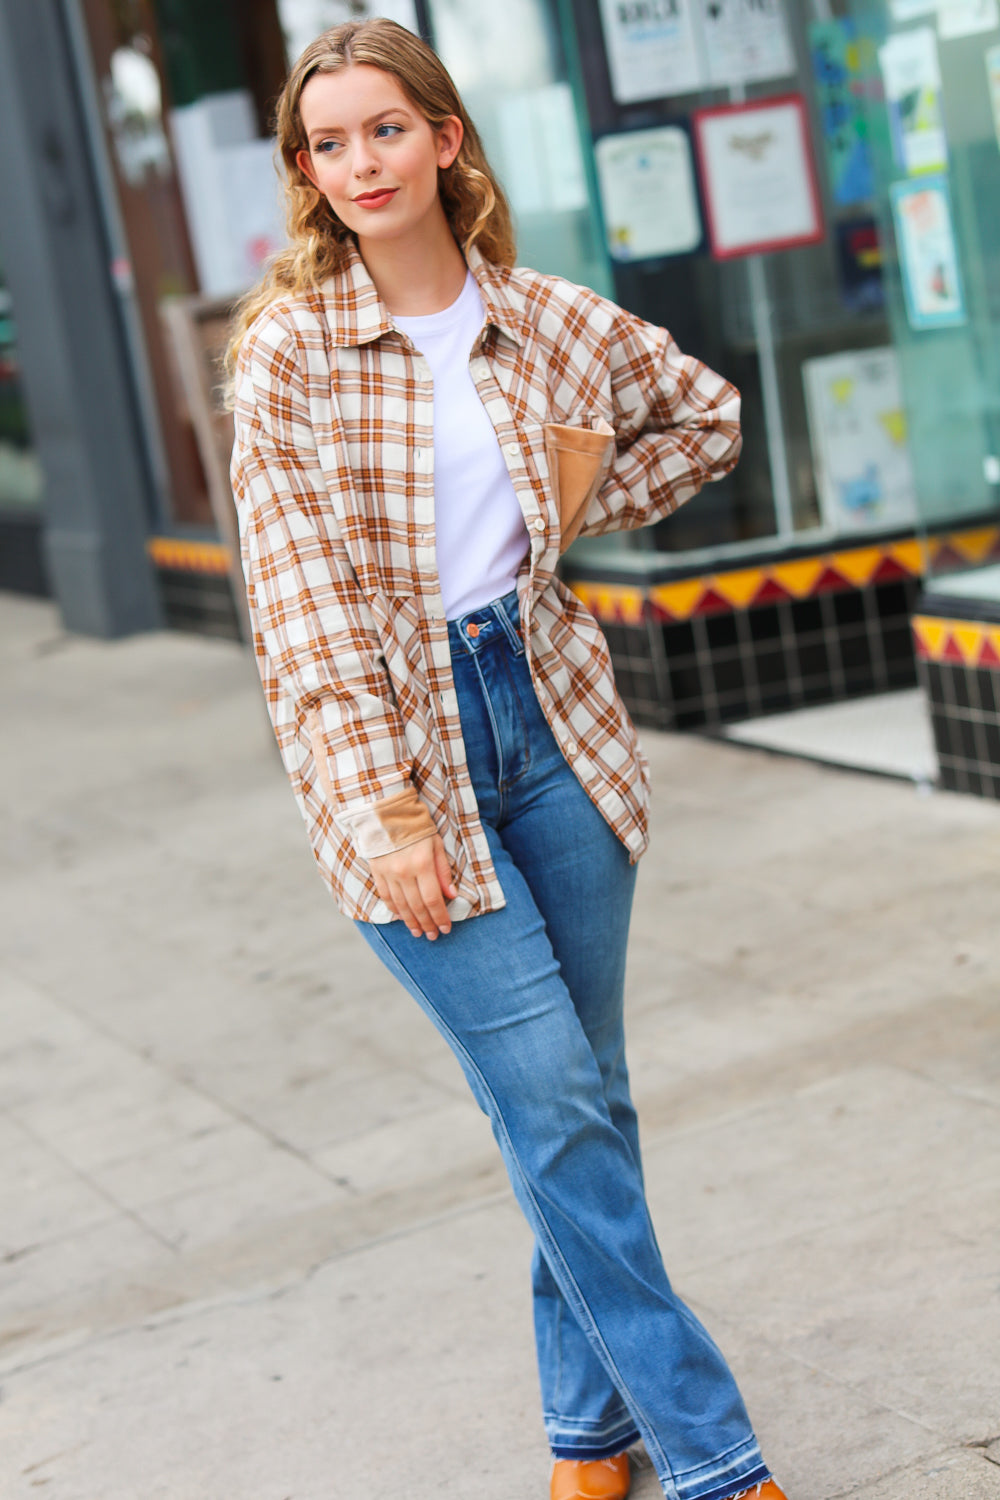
333 474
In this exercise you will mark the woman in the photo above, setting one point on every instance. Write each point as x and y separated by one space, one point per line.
419 430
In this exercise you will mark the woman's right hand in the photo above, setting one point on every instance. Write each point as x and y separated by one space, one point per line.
415 882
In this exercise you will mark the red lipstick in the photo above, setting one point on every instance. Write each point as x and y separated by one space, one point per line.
376 199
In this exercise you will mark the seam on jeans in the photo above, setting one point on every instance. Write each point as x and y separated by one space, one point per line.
497 745
560 1312
662 1467
525 731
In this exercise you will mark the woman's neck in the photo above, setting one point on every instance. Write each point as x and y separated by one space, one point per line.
420 274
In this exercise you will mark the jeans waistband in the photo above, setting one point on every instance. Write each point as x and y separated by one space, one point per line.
500 620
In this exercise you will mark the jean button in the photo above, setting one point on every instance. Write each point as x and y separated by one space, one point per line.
472 630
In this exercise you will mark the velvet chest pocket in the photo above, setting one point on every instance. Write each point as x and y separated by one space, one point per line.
578 459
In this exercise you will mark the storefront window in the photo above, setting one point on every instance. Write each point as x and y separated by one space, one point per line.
20 473
740 207
934 117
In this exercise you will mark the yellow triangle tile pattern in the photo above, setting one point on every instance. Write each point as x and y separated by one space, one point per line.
181 555
858 566
800 578
969 643
738 588
975 546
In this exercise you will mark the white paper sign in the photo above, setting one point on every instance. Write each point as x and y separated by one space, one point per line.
745 41
659 48
912 76
857 430
758 178
651 47
648 195
966 17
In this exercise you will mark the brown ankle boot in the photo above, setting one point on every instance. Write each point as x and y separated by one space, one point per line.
596 1479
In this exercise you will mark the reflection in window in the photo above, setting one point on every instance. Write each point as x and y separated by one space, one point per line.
135 114
508 65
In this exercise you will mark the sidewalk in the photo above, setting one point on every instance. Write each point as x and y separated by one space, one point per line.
256 1242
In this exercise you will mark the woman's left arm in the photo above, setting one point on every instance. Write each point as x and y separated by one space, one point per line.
677 427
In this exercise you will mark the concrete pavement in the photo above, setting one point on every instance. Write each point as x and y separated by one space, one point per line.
256 1244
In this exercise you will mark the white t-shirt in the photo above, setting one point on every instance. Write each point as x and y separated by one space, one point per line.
481 535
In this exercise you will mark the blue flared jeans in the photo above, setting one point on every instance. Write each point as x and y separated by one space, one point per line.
530 1000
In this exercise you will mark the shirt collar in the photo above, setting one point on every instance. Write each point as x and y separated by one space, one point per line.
357 315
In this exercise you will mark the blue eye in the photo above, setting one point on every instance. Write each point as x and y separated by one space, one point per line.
324 148
394 128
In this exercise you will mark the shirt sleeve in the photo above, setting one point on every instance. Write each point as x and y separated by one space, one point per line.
312 625
677 427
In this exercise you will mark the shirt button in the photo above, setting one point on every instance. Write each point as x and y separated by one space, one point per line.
571 748
513 449
539 523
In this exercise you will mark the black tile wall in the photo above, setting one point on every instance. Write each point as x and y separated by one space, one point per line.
965 716
199 602
717 668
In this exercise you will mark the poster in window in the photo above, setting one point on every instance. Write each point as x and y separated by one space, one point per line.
859 265
912 77
651 47
648 195
745 41
857 431
928 256
657 49
758 177
838 57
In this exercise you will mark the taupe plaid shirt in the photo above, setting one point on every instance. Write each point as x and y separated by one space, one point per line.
333 473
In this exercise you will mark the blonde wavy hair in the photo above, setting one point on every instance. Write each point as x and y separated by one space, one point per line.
473 199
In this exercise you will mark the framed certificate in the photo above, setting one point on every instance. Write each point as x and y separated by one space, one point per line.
648 194
758 176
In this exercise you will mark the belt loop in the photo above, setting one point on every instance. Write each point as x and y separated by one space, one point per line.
513 635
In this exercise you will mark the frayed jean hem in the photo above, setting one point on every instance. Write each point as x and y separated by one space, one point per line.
584 1452
738 1472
